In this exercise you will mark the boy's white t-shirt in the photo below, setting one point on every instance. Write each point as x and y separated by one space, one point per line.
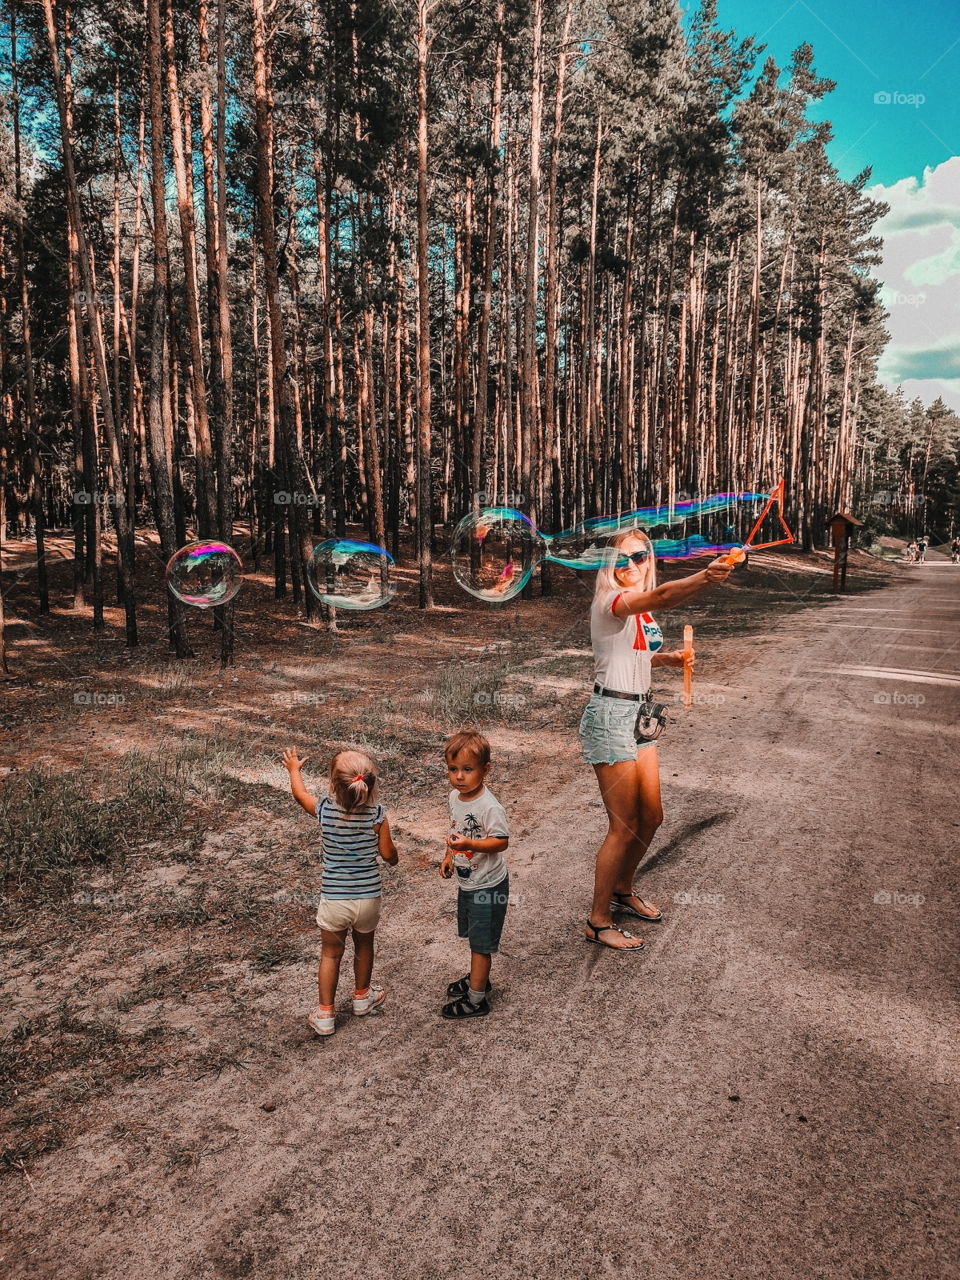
481 818
622 647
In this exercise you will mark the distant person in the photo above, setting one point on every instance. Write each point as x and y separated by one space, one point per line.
955 551
922 549
911 551
624 636
478 836
355 834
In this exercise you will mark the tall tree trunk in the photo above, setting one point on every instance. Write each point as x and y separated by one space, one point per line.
424 485
290 452
551 301
32 422
529 367
124 527
177 106
158 443
481 412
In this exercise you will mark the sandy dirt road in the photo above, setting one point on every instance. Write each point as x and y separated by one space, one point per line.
769 1090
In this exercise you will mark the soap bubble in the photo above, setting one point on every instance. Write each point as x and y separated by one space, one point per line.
495 553
205 574
585 547
351 575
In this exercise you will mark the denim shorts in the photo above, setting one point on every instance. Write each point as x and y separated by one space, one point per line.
606 731
480 916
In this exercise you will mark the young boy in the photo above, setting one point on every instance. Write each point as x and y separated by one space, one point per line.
478 836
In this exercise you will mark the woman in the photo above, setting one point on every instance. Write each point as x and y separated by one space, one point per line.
627 643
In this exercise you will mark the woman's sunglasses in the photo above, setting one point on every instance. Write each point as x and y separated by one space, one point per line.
635 557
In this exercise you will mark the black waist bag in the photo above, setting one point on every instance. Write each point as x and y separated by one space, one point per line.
650 722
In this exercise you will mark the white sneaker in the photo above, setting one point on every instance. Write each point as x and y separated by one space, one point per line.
374 997
324 1024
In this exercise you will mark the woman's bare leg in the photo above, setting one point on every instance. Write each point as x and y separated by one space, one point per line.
620 791
648 817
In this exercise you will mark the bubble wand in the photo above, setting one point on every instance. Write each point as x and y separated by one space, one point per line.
688 666
738 554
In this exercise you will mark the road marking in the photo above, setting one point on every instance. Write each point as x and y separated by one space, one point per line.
919 648
889 673
862 609
949 629
864 626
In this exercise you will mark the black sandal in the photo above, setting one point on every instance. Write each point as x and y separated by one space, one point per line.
459 988
606 928
464 1008
620 905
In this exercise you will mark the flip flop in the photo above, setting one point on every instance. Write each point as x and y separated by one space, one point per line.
622 906
607 928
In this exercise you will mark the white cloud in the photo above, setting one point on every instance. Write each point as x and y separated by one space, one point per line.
936 269
921 258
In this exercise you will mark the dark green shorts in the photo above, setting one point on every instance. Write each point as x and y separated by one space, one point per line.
480 916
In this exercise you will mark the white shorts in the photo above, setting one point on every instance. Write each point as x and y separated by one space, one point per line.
337 914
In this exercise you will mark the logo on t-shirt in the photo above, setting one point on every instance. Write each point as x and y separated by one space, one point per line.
473 831
649 636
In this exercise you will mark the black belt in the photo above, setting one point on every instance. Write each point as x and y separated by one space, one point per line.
614 693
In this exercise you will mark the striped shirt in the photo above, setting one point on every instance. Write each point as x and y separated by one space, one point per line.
350 850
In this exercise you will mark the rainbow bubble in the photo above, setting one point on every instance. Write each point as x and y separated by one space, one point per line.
495 552
204 574
351 575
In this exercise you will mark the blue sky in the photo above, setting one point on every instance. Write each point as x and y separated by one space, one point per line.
896 108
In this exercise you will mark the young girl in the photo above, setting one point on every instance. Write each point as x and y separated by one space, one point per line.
355 832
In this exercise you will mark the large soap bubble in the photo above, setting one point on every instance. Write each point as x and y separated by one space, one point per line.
495 553
585 547
205 574
351 575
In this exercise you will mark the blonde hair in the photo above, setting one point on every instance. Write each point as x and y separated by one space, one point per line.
607 576
353 778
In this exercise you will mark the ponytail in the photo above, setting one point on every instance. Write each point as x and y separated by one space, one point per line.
353 778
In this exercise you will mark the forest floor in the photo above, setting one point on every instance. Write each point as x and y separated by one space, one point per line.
761 1094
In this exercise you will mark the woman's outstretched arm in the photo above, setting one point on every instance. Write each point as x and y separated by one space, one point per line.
636 600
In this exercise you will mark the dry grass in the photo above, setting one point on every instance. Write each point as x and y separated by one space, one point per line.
58 825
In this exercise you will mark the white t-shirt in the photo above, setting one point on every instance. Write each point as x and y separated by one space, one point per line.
622 647
481 818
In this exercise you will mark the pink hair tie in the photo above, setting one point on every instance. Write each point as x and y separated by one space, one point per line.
359 778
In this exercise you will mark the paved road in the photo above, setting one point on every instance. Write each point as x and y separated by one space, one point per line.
768 1092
